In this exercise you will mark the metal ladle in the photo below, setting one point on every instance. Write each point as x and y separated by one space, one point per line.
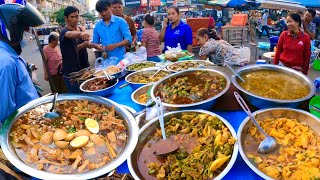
234 72
164 146
269 144
53 113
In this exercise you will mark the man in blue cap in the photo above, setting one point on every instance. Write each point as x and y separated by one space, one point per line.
16 85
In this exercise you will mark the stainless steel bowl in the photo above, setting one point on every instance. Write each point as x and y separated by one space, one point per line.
135 86
142 90
206 104
130 71
150 128
208 65
129 121
303 116
103 92
262 102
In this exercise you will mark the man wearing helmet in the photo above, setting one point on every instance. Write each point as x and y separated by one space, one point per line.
16 85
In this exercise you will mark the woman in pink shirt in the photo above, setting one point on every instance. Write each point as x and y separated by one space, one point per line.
150 39
53 57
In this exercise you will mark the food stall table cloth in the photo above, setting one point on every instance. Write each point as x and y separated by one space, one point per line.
240 169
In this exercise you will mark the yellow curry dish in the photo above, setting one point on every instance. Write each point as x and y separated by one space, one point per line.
87 136
205 149
298 156
274 85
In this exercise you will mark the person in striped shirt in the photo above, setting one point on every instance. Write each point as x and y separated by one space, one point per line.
150 39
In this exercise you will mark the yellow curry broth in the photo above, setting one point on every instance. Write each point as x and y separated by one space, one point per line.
298 155
274 85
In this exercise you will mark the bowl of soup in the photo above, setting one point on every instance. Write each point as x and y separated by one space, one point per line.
142 95
269 86
298 136
191 89
207 147
92 137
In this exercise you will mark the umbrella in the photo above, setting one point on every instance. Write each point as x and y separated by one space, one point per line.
236 3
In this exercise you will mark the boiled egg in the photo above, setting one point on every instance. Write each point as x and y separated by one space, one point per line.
79 142
92 125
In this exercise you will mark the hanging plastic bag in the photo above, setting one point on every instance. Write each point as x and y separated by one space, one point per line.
111 61
99 64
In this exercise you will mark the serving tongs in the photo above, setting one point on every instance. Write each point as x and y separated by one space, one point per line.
164 146
111 80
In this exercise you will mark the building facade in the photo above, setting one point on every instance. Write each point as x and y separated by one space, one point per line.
47 7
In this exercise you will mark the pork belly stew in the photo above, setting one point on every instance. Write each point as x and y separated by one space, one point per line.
87 136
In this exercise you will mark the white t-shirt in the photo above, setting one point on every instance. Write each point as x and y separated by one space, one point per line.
264 21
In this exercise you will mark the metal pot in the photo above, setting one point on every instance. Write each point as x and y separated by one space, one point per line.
207 64
262 102
303 116
135 86
205 104
148 129
10 153
102 92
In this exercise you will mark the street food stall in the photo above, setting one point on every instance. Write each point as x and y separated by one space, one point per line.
96 134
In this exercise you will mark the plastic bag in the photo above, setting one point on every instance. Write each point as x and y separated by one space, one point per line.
99 63
138 56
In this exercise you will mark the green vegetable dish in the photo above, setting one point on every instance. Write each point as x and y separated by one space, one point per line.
140 66
205 149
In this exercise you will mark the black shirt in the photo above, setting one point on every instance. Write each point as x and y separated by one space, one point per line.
70 56
83 54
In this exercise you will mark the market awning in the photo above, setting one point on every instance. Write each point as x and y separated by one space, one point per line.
228 3
308 3
219 2
283 5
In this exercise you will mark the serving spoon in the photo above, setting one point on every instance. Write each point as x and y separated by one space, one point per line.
53 113
269 144
234 72
164 146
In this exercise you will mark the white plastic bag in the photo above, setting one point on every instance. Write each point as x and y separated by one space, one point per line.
138 56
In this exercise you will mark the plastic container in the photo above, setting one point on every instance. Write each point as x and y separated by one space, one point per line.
317 83
239 19
316 65
315 101
264 45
